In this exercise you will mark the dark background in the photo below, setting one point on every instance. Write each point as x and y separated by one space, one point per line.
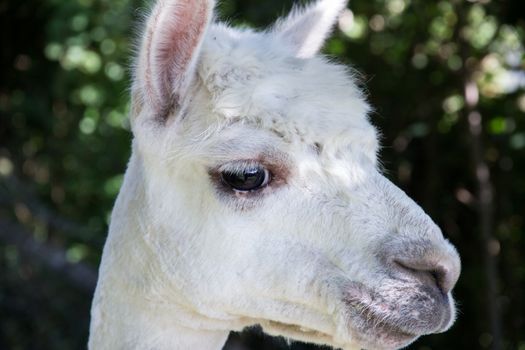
65 140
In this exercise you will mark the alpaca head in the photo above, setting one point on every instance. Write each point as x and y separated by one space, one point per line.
264 203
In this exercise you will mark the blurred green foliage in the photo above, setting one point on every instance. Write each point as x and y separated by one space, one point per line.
65 140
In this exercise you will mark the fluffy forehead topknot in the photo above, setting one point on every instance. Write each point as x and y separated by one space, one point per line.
252 76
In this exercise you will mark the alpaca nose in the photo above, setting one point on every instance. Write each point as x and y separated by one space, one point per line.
442 271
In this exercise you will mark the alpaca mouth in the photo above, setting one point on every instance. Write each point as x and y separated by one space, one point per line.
378 333
383 321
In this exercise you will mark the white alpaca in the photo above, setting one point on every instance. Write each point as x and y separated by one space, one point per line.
252 196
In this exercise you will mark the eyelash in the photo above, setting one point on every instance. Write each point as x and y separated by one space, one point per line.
237 167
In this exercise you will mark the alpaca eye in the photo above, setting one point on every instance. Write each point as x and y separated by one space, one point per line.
248 179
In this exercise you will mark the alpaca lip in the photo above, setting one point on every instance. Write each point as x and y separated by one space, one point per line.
370 316
381 330
375 333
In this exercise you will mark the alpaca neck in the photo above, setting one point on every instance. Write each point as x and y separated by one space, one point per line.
127 311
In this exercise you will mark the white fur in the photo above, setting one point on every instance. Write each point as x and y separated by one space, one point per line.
314 257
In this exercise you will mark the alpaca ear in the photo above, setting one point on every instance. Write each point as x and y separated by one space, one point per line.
307 28
170 47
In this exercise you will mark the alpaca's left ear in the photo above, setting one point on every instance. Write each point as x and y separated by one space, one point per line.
307 28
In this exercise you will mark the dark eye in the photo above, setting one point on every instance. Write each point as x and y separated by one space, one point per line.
248 179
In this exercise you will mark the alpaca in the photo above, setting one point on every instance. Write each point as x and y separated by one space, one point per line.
253 196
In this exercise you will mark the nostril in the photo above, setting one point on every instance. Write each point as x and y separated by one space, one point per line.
437 274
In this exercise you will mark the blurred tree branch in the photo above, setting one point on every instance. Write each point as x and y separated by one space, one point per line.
481 176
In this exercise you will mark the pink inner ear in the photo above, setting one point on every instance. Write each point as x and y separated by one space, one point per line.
173 38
